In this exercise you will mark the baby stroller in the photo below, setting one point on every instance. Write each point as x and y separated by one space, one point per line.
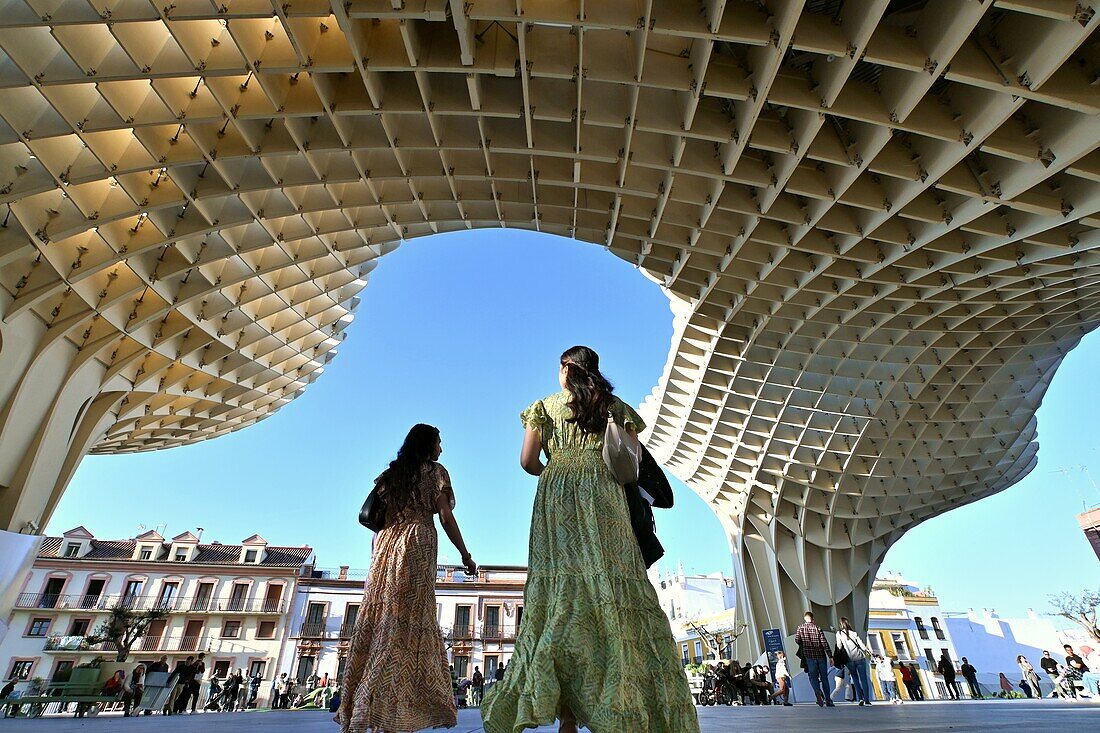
709 694
214 703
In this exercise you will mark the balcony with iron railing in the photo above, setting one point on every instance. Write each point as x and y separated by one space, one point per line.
70 644
464 632
498 632
104 602
160 643
314 630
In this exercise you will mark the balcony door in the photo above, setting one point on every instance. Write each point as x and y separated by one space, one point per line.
202 597
315 620
168 593
153 635
462 621
273 598
191 633
132 593
91 596
492 661
492 622
305 669
236 598
51 594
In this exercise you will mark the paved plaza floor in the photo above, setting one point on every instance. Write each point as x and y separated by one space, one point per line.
997 715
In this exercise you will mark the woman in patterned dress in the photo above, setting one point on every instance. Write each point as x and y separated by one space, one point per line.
594 648
397 678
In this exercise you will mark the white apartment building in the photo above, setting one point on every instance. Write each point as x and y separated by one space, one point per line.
992 643
479 616
685 596
229 601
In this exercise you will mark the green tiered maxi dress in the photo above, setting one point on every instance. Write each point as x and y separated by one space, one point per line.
593 636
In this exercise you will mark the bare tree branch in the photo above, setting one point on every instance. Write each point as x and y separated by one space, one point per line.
124 627
1080 608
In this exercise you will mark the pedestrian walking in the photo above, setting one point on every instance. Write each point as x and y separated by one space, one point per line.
884 670
253 689
397 677
782 680
910 677
178 682
588 600
286 695
858 663
1029 675
816 653
947 668
918 682
192 691
232 690
276 691
970 674
499 674
478 681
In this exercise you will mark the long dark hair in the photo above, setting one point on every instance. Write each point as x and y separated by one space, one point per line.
591 392
400 476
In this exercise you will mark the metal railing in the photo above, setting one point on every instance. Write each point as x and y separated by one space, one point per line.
497 632
312 630
145 644
105 602
462 631
336 574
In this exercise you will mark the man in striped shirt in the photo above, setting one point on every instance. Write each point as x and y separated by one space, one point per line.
816 653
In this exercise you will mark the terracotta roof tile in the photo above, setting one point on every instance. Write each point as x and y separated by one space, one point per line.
212 554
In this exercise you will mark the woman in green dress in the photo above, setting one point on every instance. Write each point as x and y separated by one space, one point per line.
594 649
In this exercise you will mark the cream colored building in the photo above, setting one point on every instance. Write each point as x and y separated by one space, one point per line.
908 625
479 615
877 224
229 601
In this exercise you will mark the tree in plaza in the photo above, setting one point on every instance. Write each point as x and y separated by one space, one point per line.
1080 608
124 627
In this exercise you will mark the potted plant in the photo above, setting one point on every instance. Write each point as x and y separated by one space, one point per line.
86 675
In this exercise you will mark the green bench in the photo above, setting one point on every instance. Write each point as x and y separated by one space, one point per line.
62 693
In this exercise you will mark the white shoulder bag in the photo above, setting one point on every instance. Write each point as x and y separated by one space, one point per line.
622 452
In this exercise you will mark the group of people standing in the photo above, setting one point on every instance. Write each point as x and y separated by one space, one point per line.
595 649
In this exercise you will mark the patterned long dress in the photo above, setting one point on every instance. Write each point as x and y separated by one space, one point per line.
397 678
593 636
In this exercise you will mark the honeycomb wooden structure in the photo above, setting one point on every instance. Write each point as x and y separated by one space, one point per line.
877 220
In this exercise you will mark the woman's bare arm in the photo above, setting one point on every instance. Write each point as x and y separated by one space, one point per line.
530 456
450 526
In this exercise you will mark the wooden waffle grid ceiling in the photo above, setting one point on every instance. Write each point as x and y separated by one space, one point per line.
879 218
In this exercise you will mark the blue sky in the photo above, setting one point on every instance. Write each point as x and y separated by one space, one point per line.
463 331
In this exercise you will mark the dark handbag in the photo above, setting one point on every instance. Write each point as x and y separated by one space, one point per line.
373 514
653 481
641 521
840 656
